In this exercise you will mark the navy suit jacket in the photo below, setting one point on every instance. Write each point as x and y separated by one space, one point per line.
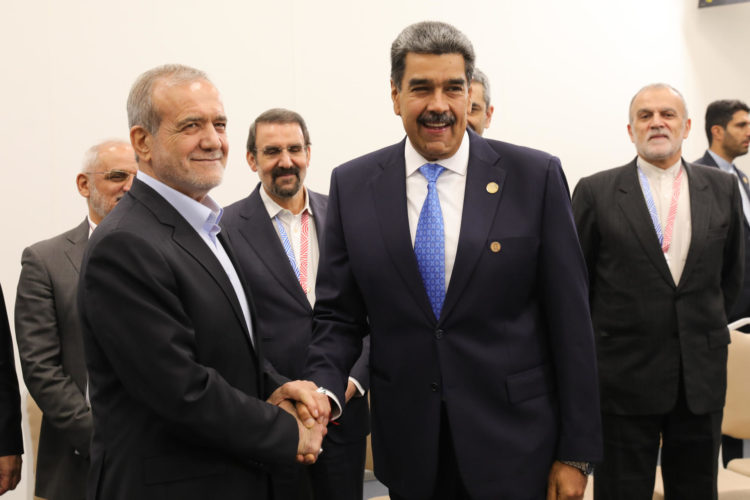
741 308
177 388
284 315
511 356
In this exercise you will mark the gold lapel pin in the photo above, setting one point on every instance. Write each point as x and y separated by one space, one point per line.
495 246
492 187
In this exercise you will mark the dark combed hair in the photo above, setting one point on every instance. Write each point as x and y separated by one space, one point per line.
721 113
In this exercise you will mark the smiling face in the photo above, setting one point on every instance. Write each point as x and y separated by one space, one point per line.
189 150
658 125
281 159
433 103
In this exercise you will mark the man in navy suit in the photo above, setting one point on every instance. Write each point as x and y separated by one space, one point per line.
728 132
275 232
460 256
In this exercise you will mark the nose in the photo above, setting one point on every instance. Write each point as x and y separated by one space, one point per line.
210 139
285 159
439 101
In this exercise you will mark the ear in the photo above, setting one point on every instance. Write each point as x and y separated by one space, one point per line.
82 181
630 133
394 97
309 155
142 141
688 123
251 161
717 131
490 111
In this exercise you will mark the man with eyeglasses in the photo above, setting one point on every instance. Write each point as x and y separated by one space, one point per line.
48 330
275 231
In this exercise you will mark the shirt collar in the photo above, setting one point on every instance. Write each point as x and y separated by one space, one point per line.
203 216
650 169
722 163
457 163
274 208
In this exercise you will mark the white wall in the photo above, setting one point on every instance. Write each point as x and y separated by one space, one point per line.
562 76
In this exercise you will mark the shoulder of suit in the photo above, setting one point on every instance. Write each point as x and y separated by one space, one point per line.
609 174
711 173
374 158
53 244
506 149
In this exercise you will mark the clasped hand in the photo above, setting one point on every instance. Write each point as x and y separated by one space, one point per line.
311 410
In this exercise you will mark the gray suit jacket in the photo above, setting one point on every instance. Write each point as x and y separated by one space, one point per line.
52 359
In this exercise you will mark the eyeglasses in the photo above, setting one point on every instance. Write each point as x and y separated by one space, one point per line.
114 175
293 150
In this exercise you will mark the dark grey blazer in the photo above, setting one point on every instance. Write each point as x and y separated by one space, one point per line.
54 369
645 325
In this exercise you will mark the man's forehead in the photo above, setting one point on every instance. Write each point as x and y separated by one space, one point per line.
273 131
658 99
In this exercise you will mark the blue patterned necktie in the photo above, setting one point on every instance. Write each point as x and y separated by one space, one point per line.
429 244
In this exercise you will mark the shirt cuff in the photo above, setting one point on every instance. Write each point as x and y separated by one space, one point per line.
336 407
360 390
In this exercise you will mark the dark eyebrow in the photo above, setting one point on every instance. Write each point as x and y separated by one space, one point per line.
457 81
418 81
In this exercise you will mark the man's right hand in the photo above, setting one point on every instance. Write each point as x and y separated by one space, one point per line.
310 438
10 472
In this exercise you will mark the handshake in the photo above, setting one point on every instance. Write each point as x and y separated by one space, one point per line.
311 409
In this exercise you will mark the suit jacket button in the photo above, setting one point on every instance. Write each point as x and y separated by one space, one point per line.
434 386
439 334
495 246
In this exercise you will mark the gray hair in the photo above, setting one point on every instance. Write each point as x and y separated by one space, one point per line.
652 86
482 80
91 156
429 37
276 115
141 110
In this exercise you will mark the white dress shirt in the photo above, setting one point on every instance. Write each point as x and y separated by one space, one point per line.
451 186
293 227
661 182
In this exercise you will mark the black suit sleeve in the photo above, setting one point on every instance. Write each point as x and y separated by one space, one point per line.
732 273
11 438
585 218
132 306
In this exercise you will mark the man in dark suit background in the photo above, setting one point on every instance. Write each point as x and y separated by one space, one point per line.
47 328
11 438
728 132
479 116
177 376
276 232
663 243
473 286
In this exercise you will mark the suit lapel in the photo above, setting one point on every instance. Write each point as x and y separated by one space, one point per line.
389 193
479 210
77 239
259 233
629 198
188 239
700 214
